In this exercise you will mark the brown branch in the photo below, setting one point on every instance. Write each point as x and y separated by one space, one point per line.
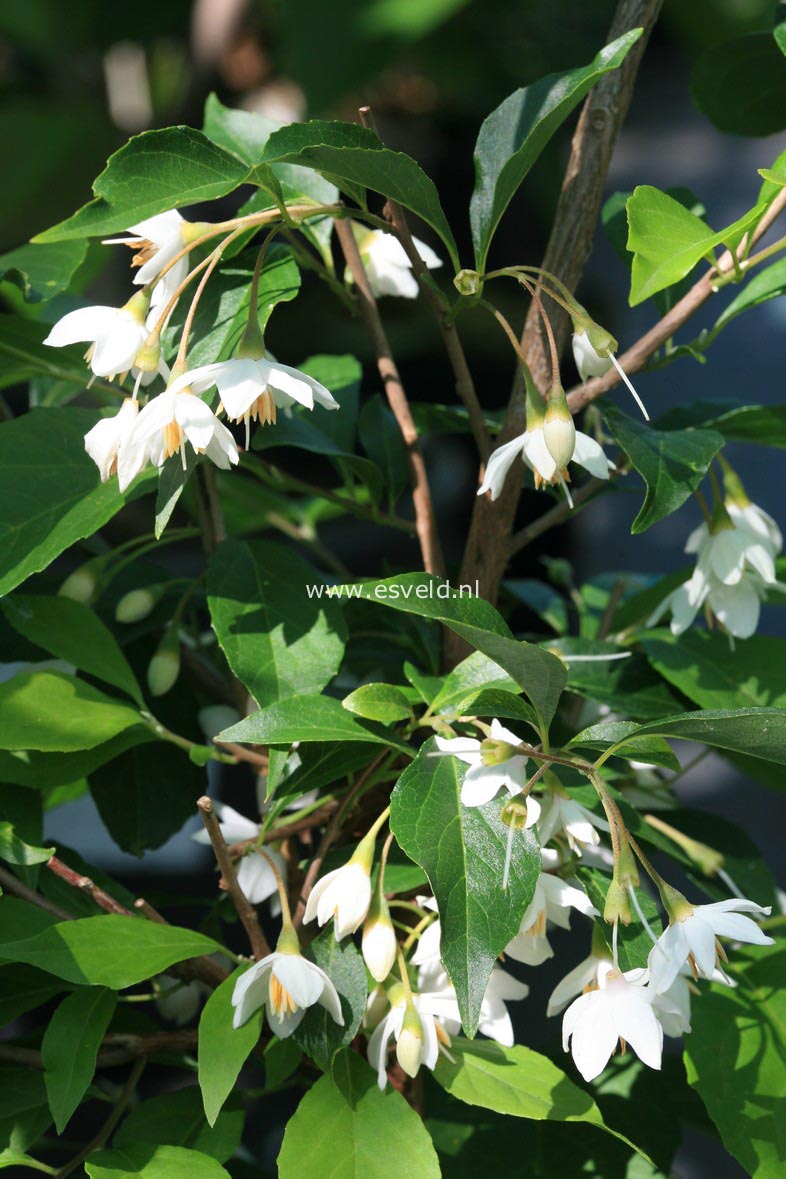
11 884
259 760
488 543
117 1048
328 839
425 521
298 826
640 352
86 885
554 516
245 910
465 386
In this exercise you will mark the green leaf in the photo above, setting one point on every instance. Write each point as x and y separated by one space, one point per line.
672 463
70 1047
703 666
760 732
462 851
110 951
178 1119
222 1050
628 686
540 675
145 795
41 272
147 1161
23 988
172 480
282 1058
278 640
379 702
514 135
740 85
153 172
547 603
222 313
516 1081
24 1113
734 1057
667 240
354 159
623 734
737 422
346 1128
50 488
475 673
765 284
382 442
45 770
308 718
49 711
318 1034
73 632
323 764
15 851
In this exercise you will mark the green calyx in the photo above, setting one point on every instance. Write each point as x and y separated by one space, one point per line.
192 231
514 814
288 941
675 904
602 341
494 752
734 491
600 947
252 343
468 283
139 304
617 907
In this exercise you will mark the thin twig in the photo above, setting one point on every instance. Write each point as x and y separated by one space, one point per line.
147 910
465 386
328 839
260 761
106 1131
86 885
11 884
425 520
245 910
117 1048
554 516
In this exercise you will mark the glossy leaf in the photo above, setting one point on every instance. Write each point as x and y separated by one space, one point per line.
627 685
760 732
514 135
49 711
110 951
539 674
75 633
23 988
672 463
308 718
462 851
708 672
346 1128
278 640
41 272
15 851
70 1047
740 85
153 172
319 1035
379 702
178 1119
147 1161
223 1050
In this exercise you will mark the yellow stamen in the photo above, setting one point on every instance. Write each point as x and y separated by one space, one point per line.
280 999
173 438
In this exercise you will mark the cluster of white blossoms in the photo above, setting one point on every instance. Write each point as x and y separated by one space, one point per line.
251 385
735 567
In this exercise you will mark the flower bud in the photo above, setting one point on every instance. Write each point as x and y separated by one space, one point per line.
559 432
409 1047
617 907
80 585
136 605
468 283
379 939
164 667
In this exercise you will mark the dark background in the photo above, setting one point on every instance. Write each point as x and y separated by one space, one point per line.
76 79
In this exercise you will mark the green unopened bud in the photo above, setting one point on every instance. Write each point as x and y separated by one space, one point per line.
81 585
706 858
468 283
409 1047
732 485
559 432
136 605
617 907
494 752
164 667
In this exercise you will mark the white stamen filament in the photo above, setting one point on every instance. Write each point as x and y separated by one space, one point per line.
565 488
614 930
508 855
727 880
595 658
640 914
627 381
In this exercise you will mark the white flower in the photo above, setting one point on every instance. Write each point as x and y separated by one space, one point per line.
494 765
252 389
672 1007
344 895
692 938
177 1001
419 1038
592 363
387 266
494 1021
107 442
563 814
254 874
531 445
165 424
116 334
736 607
157 241
552 901
582 979
727 553
379 946
621 1008
288 984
